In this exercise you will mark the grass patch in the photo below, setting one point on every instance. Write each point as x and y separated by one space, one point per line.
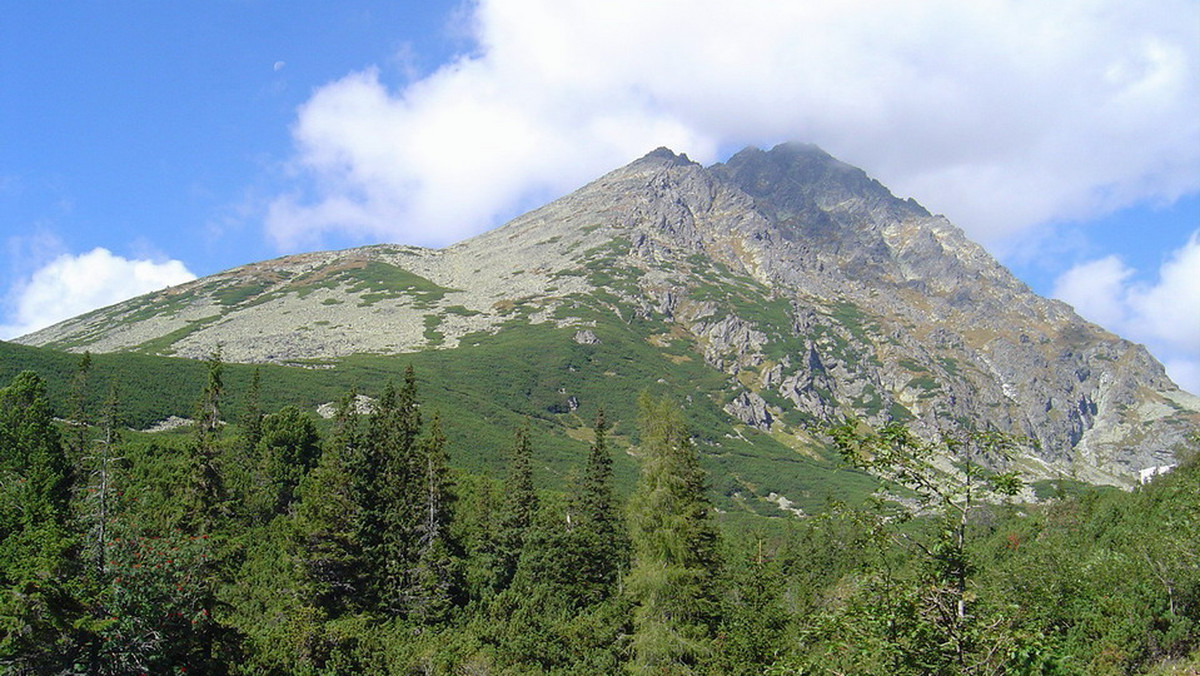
432 335
950 365
235 295
164 344
924 382
854 320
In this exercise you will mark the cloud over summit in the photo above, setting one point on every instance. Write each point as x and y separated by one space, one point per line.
1003 115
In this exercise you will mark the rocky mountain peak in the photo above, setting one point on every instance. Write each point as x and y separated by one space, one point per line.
806 284
664 156
791 180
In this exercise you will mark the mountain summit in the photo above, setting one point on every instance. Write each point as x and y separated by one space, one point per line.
806 283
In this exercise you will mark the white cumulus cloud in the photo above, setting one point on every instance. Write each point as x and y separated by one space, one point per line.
1097 290
1164 314
73 284
1003 114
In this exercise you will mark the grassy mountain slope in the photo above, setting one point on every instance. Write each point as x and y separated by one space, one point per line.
485 390
776 291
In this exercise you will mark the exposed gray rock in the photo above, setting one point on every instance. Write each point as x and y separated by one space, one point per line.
751 409
362 405
787 270
173 422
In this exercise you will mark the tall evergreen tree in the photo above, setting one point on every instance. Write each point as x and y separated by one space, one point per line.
387 475
209 406
99 506
569 561
432 584
599 534
36 544
252 417
206 505
371 476
252 493
80 420
675 557
204 496
518 510
329 513
32 456
289 447
100 502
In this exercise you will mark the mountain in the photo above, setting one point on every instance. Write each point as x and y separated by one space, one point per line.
803 286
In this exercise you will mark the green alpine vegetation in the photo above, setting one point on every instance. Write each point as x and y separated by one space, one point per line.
760 417
768 295
261 540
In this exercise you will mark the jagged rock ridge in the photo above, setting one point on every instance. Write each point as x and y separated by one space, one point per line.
813 288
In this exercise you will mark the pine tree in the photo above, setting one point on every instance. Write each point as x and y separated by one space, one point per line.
32 454
388 480
100 499
100 504
209 407
370 477
432 581
205 492
252 418
599 534
518 511
330 554
206 506
37 557
570 557
675 556
289 447
252 493
80 420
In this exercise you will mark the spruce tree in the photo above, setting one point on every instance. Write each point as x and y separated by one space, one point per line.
100 500
204 496
252 417
289 447
99 505
370 478
209 406
32 456
518 510
37 556
206 506
675 558
251 491
80 419
599 533
330 553
432 583
388 479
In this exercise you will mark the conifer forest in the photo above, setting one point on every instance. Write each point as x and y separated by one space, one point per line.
267 540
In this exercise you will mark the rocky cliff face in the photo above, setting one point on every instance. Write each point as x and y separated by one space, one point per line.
815 290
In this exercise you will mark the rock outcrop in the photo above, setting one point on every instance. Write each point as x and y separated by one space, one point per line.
812 288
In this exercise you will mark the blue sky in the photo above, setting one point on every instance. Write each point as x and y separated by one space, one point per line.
142 143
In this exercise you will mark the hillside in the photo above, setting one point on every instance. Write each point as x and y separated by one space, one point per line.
783 287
